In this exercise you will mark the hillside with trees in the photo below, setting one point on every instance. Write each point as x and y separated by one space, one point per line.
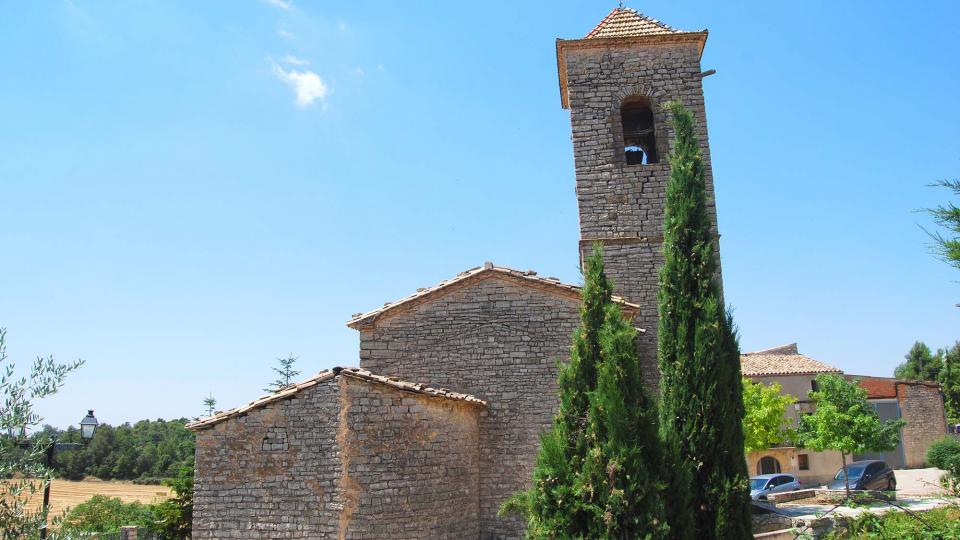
147 451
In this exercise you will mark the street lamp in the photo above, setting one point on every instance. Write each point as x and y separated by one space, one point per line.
87 428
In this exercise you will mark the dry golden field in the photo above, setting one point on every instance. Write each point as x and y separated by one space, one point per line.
66 493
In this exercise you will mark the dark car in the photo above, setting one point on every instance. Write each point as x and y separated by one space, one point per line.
866 474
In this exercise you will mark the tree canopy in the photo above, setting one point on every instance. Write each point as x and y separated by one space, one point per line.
844 421
148 450
921 364
949 378
765 420
22 459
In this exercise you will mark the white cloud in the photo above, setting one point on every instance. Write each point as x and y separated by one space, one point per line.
359 71
294 61
307 85
284 34
380 67
282 4
343 27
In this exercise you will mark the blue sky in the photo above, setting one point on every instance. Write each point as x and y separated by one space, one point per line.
189 190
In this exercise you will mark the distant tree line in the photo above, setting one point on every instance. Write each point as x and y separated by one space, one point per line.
148 451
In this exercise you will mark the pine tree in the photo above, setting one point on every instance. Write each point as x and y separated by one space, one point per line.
210 404
947 216
701 406
600 470
921 364
286 374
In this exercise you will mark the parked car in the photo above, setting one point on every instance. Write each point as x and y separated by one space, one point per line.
866 474
761 486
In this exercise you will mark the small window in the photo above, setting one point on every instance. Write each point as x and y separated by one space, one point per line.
803 462
639 135
814 386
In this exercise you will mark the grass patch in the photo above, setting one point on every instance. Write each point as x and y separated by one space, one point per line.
940 524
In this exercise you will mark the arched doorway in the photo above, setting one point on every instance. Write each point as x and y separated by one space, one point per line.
768 465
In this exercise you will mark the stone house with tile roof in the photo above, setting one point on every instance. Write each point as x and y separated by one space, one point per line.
384 451
919 403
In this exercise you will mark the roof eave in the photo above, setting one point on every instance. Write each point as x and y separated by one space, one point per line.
325 375
791 373
572 292
698 38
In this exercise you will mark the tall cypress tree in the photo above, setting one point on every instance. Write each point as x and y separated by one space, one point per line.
701 406
623 469
554 504
600 470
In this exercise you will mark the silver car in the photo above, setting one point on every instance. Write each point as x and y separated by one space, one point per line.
761 486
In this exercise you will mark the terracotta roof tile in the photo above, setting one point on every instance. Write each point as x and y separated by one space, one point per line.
887 387
326 375
488 269
626 22
878 387
783 360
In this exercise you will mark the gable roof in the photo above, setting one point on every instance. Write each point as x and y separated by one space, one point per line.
782 360
326 375
626 22
624 27
523 278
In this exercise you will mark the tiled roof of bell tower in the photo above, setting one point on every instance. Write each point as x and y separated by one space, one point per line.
624 29
626 22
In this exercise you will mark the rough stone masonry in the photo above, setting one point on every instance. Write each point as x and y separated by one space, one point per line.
367 454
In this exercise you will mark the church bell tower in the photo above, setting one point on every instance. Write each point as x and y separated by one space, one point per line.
615 82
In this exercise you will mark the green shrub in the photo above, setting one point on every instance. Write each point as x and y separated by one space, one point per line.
941 451
176 514
951 479
102 514
940 524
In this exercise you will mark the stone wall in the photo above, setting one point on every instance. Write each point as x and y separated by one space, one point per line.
345 459
501 342
411 464
620 204
921 405
273 473
637 263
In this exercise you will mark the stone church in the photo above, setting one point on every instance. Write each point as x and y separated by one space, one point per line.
440 422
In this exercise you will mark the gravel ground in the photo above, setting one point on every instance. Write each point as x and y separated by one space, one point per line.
918 481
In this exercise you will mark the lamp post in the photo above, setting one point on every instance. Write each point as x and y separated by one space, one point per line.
87 428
